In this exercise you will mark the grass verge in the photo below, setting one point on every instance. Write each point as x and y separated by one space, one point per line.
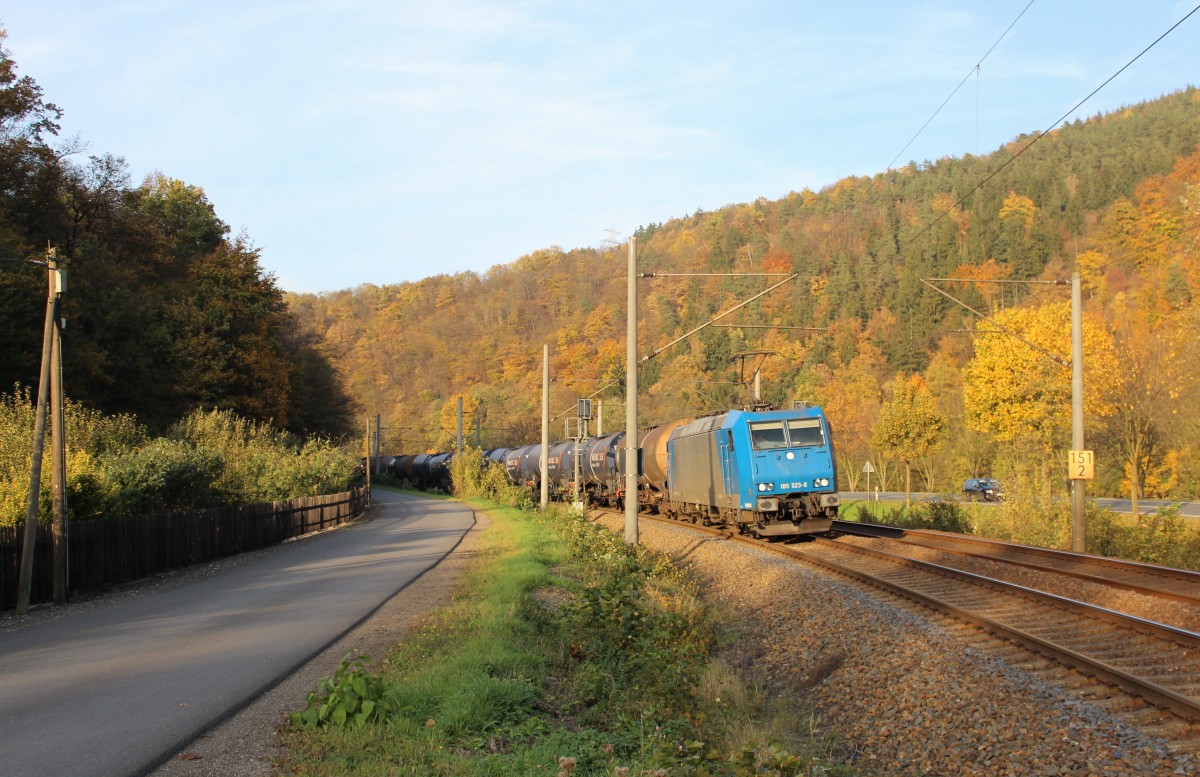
565 652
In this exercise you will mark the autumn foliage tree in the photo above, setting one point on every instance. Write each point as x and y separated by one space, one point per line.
909 426
168 313
1020 392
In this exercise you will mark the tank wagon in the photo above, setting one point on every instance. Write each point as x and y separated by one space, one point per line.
769 473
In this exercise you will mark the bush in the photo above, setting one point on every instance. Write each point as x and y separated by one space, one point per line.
1161 537
161 476
92 437
472 476
943 514
207 459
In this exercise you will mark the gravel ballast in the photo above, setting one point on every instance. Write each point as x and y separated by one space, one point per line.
901 693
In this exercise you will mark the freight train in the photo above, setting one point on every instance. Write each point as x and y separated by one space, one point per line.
769 473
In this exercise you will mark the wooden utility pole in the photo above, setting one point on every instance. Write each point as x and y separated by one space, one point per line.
58 452
25 578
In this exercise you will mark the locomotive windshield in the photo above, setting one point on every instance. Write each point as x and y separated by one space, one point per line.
806 432
792 433
766 435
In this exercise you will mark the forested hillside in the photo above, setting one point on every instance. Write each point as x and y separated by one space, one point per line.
166 311
1116 197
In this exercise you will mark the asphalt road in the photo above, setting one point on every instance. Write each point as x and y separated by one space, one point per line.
116 689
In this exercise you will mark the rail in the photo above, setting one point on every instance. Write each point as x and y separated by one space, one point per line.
1157 663
1149 579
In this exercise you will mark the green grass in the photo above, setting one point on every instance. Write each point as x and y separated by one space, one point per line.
563 642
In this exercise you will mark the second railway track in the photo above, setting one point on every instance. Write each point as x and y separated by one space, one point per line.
1148 579
1156 664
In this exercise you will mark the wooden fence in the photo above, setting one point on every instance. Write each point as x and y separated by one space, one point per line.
109 551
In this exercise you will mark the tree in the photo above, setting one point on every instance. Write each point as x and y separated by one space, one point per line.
1019 394
1158 364
909 426
447 436
30 215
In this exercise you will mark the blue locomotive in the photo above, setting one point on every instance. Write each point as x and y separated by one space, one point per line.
769 473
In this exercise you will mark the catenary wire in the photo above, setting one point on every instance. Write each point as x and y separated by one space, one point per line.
973 70
1045 132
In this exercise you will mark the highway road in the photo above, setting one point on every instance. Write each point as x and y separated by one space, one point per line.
116 689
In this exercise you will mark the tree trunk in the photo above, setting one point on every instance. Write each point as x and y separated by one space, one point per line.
907 485
1133 481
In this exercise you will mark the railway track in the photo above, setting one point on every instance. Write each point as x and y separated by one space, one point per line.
1148 661
1147 579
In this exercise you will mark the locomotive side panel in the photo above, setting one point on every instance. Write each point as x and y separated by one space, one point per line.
698 472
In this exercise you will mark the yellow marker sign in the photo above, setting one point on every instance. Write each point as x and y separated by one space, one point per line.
1083 465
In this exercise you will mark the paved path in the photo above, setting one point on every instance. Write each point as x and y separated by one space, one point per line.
116 689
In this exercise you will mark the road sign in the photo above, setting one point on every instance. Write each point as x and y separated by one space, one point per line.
1083 465
867 468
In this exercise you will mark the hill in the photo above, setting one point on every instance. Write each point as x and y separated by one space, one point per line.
1116 197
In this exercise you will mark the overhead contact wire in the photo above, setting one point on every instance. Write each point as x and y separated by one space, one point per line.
967 77
1046 132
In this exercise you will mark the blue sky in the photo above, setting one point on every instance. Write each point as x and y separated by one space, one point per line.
381 141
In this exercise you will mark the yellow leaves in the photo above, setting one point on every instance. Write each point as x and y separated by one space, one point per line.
601 322
909 426
448 419
684 243
1091 266
1020 208
1016 392
991 270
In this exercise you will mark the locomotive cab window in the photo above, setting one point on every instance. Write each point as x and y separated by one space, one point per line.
767 435
806 432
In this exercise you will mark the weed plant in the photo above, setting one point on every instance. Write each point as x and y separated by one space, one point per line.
208 459
565 651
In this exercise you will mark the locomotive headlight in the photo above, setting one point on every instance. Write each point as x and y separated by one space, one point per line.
766 486
821 482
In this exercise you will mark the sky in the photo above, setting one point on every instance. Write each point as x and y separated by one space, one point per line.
383 141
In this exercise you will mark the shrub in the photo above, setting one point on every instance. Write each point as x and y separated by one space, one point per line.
207 459
473 476
943 514
1161 537
160 476
92 437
